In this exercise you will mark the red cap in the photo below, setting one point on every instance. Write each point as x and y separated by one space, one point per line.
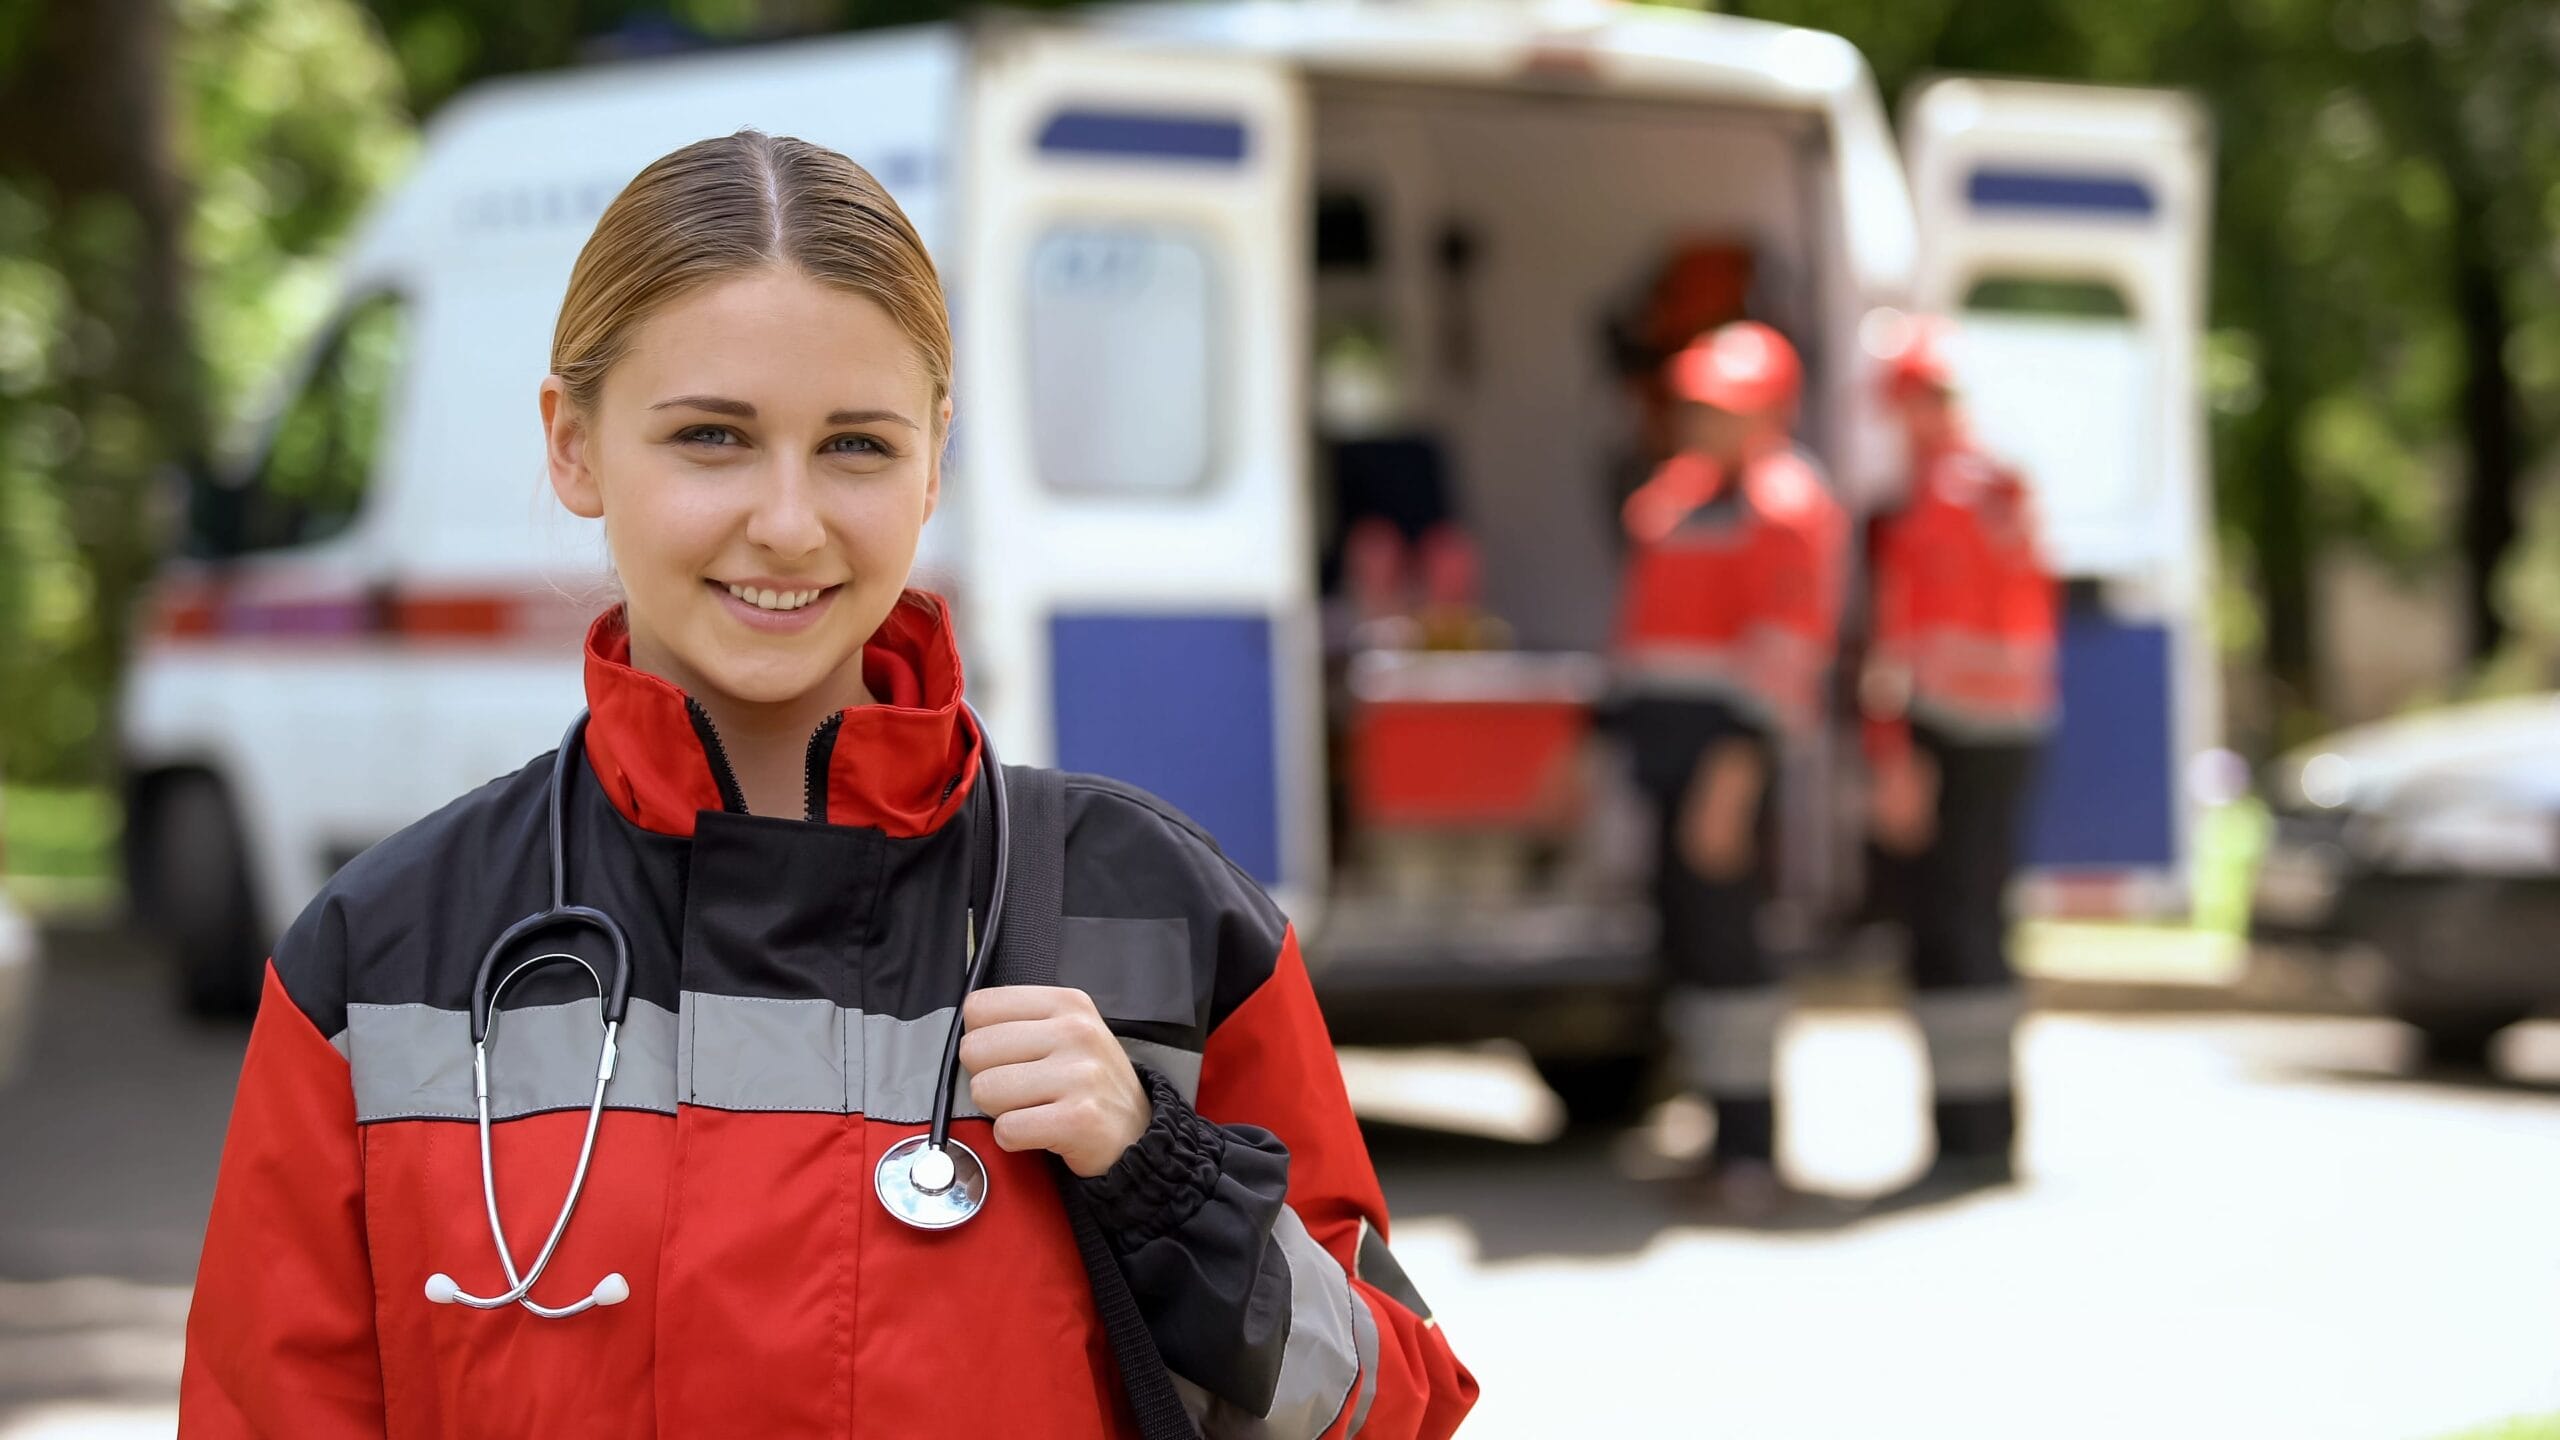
1745 367
1914 353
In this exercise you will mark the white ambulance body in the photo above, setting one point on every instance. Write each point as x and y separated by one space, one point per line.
382 604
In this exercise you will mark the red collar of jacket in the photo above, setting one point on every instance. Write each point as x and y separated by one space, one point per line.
903 764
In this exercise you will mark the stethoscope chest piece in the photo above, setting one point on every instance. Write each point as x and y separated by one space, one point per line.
930 1188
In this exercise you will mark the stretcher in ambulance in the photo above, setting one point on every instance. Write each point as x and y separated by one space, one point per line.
1233 282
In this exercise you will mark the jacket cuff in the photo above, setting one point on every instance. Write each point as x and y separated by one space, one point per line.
1161 1181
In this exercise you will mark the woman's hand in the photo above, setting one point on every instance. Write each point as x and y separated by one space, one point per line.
1041 1062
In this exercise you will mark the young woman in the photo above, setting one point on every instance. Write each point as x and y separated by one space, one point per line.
782 801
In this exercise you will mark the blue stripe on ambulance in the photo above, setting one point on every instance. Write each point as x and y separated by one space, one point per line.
1145 135
2108 785
1180 705
2008 188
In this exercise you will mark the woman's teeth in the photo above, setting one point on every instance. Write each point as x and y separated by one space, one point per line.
775 599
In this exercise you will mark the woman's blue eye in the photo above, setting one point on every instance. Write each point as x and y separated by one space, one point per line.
705 435
866 445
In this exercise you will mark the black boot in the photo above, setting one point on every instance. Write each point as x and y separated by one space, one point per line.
1975 1129
1740 1186
1977 1140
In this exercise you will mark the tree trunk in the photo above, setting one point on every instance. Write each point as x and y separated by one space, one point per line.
2280 529
86 120
2433 82
2490 411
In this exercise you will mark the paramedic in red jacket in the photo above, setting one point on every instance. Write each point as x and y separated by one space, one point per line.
779 800
1959 696
1725 641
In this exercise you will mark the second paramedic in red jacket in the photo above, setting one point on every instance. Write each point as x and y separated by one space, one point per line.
1725 641
1959 695
779 800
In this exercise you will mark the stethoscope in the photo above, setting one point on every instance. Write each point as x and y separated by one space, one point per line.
929 1181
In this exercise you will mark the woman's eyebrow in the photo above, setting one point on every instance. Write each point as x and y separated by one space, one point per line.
741 410
869 417
738 409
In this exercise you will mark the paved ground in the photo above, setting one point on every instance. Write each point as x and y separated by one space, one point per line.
2235 1227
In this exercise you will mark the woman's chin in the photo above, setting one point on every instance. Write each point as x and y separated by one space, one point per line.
776 686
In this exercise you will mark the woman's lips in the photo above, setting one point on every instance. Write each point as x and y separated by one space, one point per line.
775 622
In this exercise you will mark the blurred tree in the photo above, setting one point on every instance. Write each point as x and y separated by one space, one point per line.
172 177
98 389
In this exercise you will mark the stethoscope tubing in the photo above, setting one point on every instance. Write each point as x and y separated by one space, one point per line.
946 1080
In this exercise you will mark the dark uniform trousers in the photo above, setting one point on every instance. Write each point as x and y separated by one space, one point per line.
1952 898
1725 1002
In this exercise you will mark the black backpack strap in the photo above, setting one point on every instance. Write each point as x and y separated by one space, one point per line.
1027 954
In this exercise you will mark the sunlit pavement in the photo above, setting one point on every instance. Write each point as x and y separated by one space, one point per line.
2232 1227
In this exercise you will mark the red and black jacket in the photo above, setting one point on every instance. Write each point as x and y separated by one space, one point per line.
1730 615
792 980
1966 612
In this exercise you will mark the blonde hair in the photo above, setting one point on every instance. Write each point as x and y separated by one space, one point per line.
735 204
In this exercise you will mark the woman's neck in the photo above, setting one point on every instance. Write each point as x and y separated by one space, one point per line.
766 743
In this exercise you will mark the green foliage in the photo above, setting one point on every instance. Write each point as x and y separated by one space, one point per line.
58 833
287 117
296 116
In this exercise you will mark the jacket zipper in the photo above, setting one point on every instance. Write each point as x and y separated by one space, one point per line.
822 750
732 799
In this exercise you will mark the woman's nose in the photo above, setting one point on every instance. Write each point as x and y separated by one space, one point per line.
785 520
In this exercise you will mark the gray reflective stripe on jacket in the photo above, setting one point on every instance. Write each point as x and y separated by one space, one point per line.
728 1052
1331 1361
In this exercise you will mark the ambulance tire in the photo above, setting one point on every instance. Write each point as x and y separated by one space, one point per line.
2457 1038
194 865
1603 1091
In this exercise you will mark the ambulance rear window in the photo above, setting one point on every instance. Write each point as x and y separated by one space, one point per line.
2062 381
1124 374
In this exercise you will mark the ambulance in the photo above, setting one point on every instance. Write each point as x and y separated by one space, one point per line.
1211 265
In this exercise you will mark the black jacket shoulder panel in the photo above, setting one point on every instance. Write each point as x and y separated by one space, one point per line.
1131 855
384 929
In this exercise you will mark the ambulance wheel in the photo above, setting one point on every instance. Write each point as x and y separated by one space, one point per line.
2458 1038
193 891
1602 1091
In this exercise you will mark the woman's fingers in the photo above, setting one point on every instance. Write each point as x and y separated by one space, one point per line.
1085 1130
1017 1023
1044 1081
1003 1003
1040 1127
1011 1043
1045 1066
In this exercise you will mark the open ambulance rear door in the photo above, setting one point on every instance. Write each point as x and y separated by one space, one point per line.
1132 446
2064 228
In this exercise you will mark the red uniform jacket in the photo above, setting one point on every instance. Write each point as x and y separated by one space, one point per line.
1964 612
791 984
1731 607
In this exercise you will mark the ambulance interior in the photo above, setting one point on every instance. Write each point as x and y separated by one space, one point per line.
1497 275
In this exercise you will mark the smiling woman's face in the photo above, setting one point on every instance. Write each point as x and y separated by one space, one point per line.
764 457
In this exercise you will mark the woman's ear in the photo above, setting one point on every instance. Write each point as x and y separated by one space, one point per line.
564 444
933 472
